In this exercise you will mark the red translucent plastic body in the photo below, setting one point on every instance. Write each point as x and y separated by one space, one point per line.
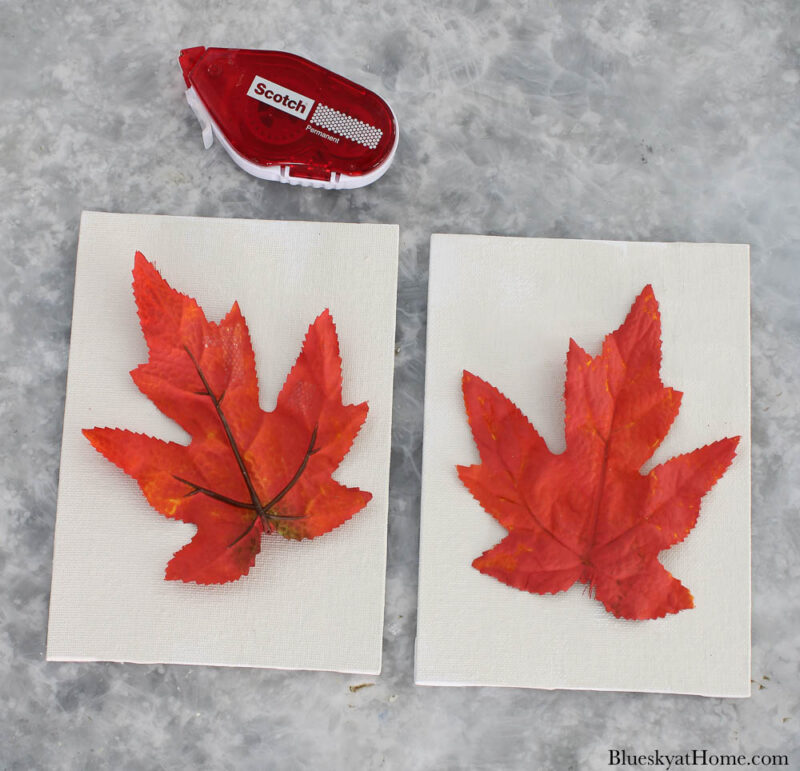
338 127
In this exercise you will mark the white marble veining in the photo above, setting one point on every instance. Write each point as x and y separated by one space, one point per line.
587 119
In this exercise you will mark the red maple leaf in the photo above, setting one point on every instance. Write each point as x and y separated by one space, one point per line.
588 514
246 472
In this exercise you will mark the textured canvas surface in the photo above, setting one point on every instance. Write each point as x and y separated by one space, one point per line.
505 309
309 605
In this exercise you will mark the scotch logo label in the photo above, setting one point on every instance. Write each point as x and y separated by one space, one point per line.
280 97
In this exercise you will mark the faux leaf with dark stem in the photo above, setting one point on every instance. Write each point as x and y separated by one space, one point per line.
246 472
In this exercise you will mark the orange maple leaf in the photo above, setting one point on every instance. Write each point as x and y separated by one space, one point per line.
246 472
588 515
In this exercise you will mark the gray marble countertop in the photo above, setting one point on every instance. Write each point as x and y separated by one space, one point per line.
592 119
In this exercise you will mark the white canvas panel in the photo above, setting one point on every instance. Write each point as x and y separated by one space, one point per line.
505 309
305 605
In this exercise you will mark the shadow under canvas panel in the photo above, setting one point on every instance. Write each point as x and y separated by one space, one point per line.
505 309
304 605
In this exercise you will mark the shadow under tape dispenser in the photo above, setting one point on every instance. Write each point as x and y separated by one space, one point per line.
283 118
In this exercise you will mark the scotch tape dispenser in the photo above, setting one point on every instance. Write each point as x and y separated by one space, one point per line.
283 118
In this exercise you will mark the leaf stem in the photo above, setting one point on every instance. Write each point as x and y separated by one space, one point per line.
211 494
230 501
262 510
266 506
231 441
297 474
289 485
